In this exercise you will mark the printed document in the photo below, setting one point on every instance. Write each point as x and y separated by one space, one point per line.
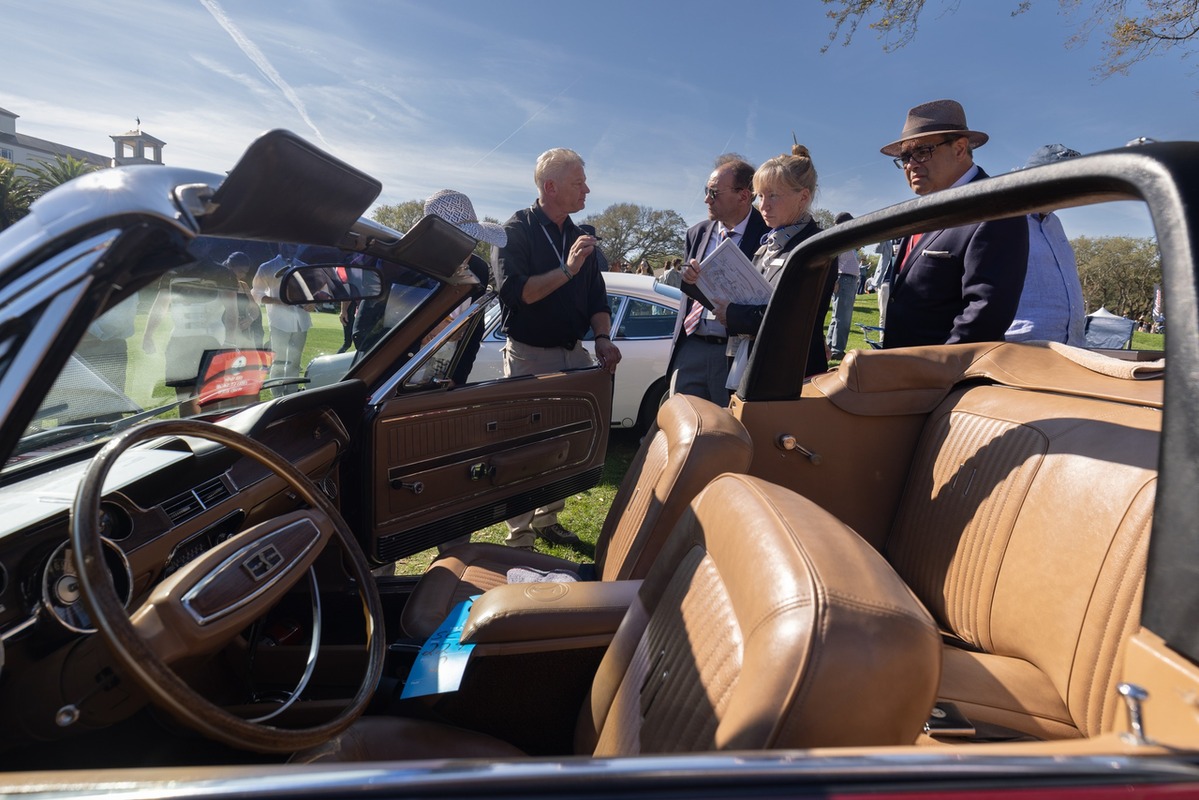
728 275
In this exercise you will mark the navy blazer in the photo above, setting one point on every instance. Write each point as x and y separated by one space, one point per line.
960 285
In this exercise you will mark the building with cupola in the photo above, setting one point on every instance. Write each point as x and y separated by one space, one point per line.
132 147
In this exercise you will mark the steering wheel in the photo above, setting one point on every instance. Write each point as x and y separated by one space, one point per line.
210 600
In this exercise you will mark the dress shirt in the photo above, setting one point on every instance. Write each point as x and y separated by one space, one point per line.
1051 305
847 263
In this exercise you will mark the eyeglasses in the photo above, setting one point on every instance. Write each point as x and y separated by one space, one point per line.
921 155
711 193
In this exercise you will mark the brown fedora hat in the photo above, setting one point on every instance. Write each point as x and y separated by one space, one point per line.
938 116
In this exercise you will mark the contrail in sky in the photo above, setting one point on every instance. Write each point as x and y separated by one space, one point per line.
260 60
523 125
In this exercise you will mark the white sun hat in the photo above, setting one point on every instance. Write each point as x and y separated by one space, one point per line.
456 208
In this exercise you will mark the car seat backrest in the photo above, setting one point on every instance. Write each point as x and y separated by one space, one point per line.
691 443
764 623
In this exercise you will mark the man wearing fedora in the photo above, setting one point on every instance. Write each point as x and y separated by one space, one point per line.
551 292
957 284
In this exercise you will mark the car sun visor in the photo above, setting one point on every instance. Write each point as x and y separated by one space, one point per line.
284 189
433 246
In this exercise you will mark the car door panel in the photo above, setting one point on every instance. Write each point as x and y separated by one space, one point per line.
504 447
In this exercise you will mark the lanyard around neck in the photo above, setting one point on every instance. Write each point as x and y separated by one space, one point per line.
557 252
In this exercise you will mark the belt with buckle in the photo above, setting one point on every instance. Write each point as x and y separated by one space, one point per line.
710 339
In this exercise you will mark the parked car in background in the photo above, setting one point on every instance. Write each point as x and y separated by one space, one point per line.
643 318
949 571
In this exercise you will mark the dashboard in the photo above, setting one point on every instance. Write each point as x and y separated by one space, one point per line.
165 503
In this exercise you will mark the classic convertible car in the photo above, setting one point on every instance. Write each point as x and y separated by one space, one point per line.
956 570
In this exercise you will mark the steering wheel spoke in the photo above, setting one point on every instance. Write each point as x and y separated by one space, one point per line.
210 600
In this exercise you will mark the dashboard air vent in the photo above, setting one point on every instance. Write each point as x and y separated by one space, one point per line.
190 503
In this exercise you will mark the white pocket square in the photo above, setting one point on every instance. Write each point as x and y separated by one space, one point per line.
935 253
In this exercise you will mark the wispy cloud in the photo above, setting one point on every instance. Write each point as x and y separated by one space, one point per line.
259 60
524 124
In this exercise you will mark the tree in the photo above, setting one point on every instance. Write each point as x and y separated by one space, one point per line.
46 175
824 218
1118 273
15 194
631 232
400 217
1163 25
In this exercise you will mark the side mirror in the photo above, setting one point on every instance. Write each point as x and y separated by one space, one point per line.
329 283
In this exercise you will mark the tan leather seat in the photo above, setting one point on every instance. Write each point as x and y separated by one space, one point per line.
1024 528
765 623
693 442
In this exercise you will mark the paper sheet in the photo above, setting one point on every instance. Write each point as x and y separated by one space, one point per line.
442 659
728 275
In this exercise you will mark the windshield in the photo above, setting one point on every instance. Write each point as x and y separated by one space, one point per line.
213 336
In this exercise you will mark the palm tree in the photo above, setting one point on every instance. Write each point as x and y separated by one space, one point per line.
15 194
47 175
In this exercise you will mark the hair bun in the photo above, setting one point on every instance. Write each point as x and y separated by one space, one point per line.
798 149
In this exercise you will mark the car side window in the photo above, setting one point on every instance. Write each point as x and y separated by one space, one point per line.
462 357
616 302
645 320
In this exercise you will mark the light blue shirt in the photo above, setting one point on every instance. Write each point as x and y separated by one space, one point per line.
1051 305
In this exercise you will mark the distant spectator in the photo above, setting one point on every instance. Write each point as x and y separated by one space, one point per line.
672 275
288 324
844 293
245 328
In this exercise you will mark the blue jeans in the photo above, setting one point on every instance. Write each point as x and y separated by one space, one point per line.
843 300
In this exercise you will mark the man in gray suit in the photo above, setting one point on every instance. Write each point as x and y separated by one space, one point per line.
699 364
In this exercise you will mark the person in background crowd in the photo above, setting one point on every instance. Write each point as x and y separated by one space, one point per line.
289 324
197 298
1051 306
883 273
844 292
958 284
245 329
457 209
672 274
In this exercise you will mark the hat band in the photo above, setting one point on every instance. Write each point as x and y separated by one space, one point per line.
932 127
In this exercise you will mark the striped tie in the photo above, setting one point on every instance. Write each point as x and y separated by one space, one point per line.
697 309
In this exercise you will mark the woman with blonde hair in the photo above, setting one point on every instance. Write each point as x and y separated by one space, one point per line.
785 186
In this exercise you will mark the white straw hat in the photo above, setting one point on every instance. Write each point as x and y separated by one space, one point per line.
455 207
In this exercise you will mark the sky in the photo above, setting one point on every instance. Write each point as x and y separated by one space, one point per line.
465 95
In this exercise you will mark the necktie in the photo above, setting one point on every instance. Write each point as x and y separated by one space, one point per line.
697 309
911 248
